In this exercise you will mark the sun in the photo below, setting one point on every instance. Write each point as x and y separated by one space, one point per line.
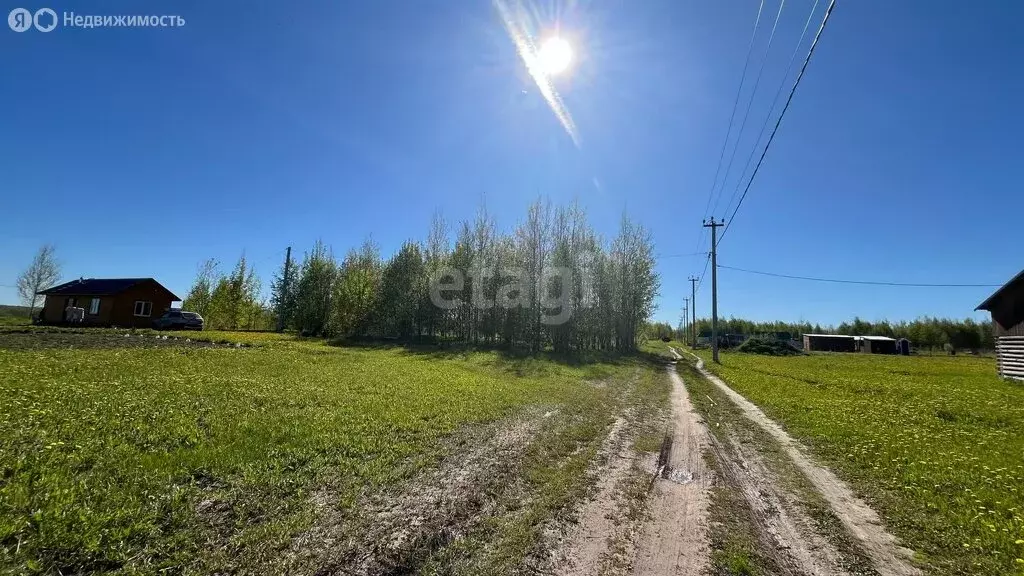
555 55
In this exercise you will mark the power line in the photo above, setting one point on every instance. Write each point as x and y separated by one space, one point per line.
687 255
868 282
803 69
775 100
706 263
732 115
750 104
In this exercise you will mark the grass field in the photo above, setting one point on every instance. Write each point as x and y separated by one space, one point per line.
936 444
137 460
14 315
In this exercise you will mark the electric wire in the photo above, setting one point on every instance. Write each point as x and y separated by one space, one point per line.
746 114
789 100
732 116
775 101
862 282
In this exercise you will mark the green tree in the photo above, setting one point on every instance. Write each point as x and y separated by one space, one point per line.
313 291
357 292
200 294
401 292
283 295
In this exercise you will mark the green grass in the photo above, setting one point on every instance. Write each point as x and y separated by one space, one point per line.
14 315
107 454
936 444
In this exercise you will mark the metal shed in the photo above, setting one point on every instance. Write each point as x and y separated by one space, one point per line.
876 344
829 343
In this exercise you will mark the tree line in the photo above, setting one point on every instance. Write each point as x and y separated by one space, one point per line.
550 282
925 332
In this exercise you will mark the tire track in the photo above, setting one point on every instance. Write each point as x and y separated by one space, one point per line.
860 520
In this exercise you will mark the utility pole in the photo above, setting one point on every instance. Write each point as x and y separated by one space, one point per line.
686 317
714 284
693 323
285 288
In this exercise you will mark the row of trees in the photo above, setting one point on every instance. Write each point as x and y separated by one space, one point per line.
552 281
229 301
925 332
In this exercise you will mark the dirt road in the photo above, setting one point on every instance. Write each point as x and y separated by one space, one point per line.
675 537
863 523
675 541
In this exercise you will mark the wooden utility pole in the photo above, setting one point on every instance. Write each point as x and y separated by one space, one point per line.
285 288
686 317
693 323
714 285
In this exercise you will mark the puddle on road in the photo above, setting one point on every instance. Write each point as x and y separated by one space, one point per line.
678 476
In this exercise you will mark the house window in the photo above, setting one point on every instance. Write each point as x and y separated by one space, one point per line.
94 306
143 308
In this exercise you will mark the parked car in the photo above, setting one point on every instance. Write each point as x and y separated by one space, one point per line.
178 320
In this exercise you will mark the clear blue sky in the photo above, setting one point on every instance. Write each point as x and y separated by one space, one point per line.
257 125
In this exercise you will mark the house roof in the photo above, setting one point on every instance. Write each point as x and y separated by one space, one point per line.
99 287
877 338
829 335
1016 281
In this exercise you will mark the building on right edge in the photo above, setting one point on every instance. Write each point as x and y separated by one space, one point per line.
1007 309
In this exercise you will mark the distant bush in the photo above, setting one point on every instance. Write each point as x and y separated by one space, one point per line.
767 347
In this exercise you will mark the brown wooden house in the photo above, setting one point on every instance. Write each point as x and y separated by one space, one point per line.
1007 308
122 302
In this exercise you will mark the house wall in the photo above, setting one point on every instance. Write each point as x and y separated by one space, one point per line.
1008 326
123 309
54 305
1016 330
1008 313
53 308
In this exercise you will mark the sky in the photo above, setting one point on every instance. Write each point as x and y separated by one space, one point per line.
256 125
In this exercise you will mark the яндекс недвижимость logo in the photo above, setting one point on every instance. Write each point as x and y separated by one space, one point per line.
20 19
45 20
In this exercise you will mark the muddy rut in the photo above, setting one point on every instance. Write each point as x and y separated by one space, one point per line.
675 540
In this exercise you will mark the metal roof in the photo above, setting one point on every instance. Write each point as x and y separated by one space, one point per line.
987 304
829 335
99 287
877 338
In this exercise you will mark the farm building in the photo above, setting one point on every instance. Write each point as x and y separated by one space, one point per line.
843 343
125 302
1007 309
829 343
876 344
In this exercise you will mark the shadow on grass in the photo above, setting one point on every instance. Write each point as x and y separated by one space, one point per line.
455 351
